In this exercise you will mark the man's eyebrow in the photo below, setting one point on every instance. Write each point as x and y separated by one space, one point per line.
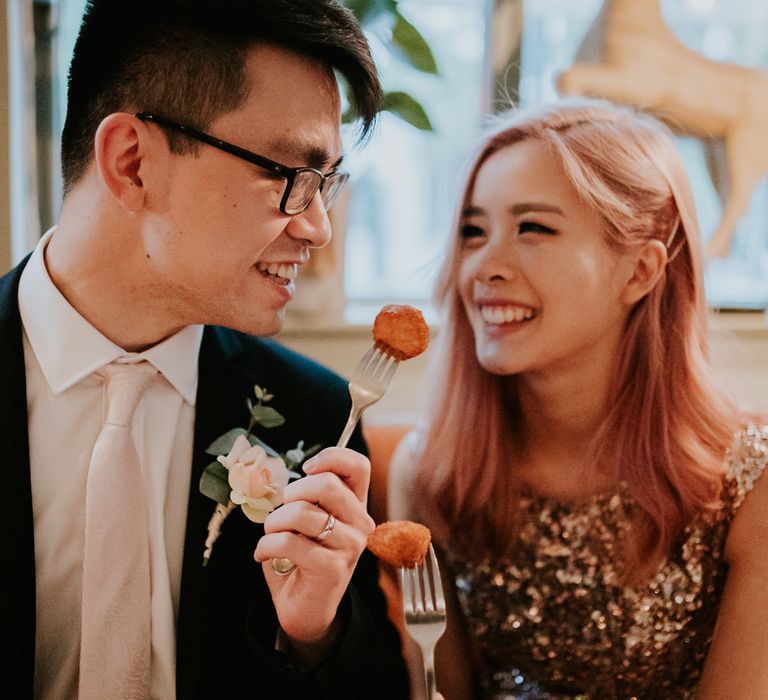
304 154
526 207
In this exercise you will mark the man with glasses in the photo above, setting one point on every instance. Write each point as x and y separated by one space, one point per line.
301 183
201 152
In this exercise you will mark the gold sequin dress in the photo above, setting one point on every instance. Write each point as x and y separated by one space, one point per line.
553 623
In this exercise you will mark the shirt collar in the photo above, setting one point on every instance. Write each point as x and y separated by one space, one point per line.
69 348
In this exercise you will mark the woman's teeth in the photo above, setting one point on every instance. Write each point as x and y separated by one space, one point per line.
505 314
280 272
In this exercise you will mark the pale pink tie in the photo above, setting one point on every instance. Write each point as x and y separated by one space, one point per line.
115 646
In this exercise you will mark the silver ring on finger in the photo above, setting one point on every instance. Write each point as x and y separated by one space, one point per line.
325 533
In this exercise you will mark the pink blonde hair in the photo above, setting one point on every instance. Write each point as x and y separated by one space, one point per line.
667 424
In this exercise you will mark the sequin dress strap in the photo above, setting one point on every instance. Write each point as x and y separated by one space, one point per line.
745 463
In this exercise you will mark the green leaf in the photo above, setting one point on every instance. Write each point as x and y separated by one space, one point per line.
214 483
348 117
266 416
258 391
222 445
405 107
413 45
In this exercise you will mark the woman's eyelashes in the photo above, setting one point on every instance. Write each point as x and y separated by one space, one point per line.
534 227
470 231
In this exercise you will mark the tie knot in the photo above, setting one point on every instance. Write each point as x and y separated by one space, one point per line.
125 384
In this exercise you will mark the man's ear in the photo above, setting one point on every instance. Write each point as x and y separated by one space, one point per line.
120 146
650 260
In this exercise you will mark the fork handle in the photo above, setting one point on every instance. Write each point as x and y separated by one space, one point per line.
349 428
429 671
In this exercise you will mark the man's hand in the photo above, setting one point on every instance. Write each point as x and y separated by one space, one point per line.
306 600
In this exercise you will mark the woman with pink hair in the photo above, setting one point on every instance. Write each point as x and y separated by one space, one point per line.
595 500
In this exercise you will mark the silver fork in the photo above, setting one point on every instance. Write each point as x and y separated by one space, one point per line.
424 607
367 385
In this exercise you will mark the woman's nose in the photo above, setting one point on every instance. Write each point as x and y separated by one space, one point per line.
496 261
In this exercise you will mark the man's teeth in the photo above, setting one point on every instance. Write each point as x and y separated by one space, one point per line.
282 270
505 314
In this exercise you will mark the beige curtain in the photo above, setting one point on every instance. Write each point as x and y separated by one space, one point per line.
5 193
21 158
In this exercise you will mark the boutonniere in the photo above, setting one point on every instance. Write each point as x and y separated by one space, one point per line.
247 472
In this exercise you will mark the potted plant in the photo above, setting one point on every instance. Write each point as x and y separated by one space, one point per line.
389 29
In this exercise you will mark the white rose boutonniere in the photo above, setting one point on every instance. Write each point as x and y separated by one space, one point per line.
247 472
257 480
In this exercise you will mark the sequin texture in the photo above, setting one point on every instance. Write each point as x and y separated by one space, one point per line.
554 622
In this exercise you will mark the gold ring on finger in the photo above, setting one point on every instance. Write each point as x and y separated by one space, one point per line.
283 567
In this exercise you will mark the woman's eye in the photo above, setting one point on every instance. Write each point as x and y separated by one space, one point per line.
470 231
533 227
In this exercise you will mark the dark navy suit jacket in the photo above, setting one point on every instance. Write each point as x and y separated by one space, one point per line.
226 621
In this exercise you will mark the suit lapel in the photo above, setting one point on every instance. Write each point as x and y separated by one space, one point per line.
220 406
17 573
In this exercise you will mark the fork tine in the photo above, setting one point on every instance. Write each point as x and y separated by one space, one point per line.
429 599
423 586
408 588
390 370
383 368
418 592
437 588
365 359
380 361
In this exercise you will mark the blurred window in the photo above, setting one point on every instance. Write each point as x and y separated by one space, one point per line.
405 182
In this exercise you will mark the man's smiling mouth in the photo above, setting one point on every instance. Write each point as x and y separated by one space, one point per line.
282 273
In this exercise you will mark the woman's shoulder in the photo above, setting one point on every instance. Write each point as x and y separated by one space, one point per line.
746 461
746 497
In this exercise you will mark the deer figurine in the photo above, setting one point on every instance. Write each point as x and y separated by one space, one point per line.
644 64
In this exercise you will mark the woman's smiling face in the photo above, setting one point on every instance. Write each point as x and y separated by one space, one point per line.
540 285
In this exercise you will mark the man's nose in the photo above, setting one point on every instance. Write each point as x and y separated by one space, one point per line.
312 225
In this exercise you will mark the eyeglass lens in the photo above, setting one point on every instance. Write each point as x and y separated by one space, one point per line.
305 185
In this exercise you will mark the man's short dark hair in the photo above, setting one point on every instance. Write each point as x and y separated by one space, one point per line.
185 60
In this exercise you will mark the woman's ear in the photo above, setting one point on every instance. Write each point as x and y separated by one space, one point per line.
650 260
120 146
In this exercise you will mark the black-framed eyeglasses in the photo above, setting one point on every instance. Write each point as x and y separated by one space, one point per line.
301 183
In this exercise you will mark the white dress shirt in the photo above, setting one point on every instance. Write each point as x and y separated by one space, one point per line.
65 403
